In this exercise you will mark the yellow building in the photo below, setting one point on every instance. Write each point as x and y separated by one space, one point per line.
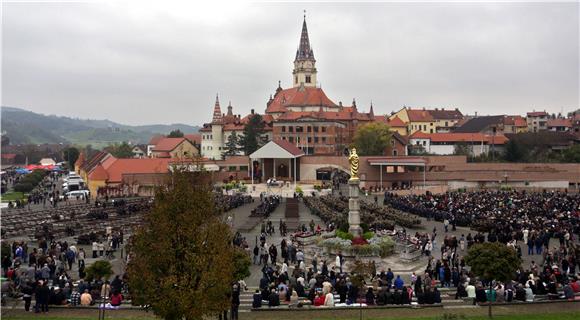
175 148
427 120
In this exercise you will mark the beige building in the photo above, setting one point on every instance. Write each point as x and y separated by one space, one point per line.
175 148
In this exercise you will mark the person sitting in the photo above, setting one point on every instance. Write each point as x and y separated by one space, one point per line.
520 294
274 299
436 295
461 292
529 294
382 297
329 299
319 300
86 298
257 299
116 299
480 296
370 297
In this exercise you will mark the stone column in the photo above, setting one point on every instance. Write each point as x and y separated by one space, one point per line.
354 208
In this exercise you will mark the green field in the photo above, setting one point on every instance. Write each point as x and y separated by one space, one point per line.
11 196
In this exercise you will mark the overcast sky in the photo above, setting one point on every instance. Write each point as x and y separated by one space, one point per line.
163 62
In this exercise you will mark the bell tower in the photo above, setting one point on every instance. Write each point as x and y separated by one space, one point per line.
304 73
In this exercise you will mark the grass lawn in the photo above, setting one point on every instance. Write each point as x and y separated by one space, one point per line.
11 196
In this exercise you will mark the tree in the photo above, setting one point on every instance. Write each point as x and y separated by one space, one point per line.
175 134
98 270
242 264
372 139
571 154
182 257
253 131
493 261
232 145
70 155
123 150
462 149
514 151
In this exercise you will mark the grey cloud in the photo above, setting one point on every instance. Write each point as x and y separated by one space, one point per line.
138 66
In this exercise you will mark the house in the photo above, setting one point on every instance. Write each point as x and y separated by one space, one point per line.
449 143
514 124
484 124
152 142
428 120
139 151
174 148
108 171
537 121
397 145
559 125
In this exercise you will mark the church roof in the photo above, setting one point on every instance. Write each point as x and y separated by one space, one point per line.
217 112
299 96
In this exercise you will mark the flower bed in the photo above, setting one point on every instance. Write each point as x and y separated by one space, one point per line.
377 246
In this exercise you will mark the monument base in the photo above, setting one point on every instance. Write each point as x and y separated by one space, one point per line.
354 208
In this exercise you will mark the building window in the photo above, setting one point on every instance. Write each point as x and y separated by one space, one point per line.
307 79
309 140
309 129
315 139
296 79
243 168
315 128
424 143
290 129
323 129
299 129
291 139
232 168
323 139
395 152
283 138
297 139
393 142
283 128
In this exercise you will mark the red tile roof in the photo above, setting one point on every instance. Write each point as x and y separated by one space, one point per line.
168 144
396 122
517 121
559 123
194 138
132 166
155 139
419 115
300 96
99 173
294 150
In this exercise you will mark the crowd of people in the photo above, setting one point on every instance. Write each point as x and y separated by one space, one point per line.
45 275
226 202
266 206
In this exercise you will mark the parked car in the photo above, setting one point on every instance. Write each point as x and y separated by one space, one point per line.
77 193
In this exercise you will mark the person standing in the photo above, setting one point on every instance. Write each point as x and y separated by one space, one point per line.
235 301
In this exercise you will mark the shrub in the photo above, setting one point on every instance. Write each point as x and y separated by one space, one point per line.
344 235
368 235
317 188
24 187
299 190
98 270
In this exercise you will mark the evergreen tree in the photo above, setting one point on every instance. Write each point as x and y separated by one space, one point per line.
253 130
175 134
514 151
123 150
231 145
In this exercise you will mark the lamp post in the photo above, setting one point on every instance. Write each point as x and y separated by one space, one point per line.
505 177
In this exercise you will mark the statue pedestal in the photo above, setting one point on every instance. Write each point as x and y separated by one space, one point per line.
354 208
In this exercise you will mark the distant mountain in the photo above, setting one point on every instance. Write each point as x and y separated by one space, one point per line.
22 127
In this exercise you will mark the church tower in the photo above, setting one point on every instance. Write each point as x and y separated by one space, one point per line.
304 72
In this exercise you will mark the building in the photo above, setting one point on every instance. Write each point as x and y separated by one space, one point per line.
215 135
303 115
537 121
176 148
559 125
428 120
475 144
139 151
398 145
515 124
152 142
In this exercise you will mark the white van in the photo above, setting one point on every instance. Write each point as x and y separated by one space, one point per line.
77 193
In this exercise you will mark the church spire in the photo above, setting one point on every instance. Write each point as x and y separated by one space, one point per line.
304 51
304 72
217 112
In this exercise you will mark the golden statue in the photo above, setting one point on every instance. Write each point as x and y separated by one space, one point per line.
353 160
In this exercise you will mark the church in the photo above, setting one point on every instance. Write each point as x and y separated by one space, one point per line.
302 115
